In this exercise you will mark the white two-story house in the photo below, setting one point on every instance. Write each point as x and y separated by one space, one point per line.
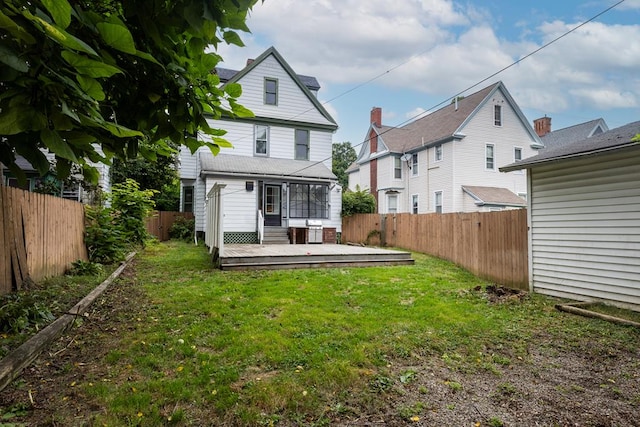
278 174
448 160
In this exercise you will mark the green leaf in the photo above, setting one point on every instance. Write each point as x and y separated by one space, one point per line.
16 30
34 156
60 11
117 36
20 118
92 87
89 67
231 37
56 144
62 37
240 111
63 168
10 58
90 173
234 90
148 57
120 131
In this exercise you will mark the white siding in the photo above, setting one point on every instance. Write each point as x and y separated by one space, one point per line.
470 151
585 226
293 104
186 164
240 205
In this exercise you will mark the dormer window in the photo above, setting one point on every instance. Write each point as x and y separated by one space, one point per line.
497 115
270 91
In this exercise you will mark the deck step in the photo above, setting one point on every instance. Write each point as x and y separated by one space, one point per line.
314 261
275 236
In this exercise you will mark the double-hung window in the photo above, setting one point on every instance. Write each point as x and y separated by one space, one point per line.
414 164
270 91
261 140
187 199
397 168
309 201
489 158
437 202
438 152
414 203
302 144
392 202
497 115
517 154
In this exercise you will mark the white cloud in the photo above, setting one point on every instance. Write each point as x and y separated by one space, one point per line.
439 47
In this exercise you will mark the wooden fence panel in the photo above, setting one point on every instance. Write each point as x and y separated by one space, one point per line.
41 236
159 223
492 245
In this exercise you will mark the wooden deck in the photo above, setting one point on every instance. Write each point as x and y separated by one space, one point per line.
272 257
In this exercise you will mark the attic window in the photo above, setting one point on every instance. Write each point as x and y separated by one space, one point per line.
270 91
497 115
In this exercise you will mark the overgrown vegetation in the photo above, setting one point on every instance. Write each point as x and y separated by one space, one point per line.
111 231
183 229
358 201
320 347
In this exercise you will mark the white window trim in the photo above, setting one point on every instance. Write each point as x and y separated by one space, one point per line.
521 171
493 169
415 165
435 200
393 168
255 141
389 197
435 153
417 204
497 108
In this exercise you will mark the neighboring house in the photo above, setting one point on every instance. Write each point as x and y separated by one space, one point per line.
579 132
448 160
71 189
278 175
584 218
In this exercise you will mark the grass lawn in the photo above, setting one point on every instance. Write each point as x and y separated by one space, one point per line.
314 347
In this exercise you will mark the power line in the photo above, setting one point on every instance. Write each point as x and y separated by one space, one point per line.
535 51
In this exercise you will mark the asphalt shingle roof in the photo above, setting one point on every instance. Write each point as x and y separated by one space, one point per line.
573 133
494 196
607 141
261 166
436 126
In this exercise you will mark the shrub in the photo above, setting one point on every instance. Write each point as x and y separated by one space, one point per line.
85 268
103 237
183 229
359 201
130 207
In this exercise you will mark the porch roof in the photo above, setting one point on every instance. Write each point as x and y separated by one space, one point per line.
229 164
494 196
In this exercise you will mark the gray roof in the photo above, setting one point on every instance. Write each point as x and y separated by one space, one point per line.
574 133
613 139
226 74
229 164
23 164
494 196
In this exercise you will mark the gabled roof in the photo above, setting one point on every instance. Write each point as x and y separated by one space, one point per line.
446 123
227 74
494 196
300 81
229 164
614 139
574 133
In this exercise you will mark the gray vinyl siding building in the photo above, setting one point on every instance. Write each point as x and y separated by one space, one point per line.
584 215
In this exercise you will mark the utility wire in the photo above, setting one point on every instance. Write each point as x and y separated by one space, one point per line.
544 46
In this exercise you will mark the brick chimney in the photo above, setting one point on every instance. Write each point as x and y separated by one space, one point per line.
250 61
542 126
376 116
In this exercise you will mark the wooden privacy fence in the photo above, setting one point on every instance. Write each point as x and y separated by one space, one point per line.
40 237
492 245
159 223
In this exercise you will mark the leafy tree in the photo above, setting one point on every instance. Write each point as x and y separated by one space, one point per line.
160 175
343 155
359 201
121 75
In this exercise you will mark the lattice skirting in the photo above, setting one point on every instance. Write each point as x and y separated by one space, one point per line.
236 237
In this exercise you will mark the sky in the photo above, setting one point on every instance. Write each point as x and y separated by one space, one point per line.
409 57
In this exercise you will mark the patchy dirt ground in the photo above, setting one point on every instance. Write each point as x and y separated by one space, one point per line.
556 385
